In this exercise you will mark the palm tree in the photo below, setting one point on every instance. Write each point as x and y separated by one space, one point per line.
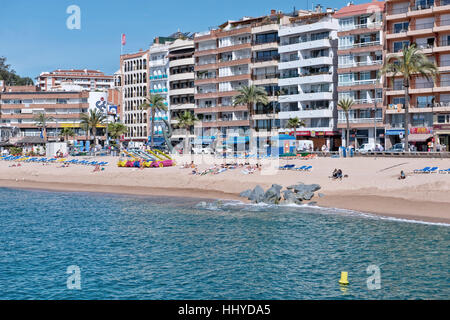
154 102
92 120
346 104
186 120
41 122
413 62
115 130
66 133
294 123
250 95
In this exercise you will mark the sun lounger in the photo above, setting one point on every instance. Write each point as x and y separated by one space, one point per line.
444 170
300 168
308 168
422 170
287 167
433 170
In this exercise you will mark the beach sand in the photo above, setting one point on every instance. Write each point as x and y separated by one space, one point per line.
372 184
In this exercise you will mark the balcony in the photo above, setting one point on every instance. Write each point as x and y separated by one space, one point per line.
369 25
418 88
297 28
325 77
360 66
181 62
182 76
305 62
305 45
367 45
320 113
421 9
266 78
312 96
442 46
366 102
398 13
442 25
234 62
182 91
359 122
420 29
361 84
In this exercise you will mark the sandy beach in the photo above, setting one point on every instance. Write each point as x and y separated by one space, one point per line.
372 184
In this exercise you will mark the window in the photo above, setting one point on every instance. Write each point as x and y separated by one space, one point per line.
320 36
425 102
266 38
266 55
398 100
401 27
398 46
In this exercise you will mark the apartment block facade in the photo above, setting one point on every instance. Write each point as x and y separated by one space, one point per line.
85 79
427 24
181 85
360 59
134 71
308 69
19 106
159 82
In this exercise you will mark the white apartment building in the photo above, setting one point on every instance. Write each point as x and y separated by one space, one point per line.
134 80
85 80
308 76
181 84
159 81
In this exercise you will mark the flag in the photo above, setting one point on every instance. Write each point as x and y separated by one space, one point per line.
124 39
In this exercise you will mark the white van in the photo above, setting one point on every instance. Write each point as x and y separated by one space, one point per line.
369 147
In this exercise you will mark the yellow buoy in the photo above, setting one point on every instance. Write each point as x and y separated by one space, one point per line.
344 278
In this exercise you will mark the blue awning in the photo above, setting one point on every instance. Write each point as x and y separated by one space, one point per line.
236 140
283 137
203 140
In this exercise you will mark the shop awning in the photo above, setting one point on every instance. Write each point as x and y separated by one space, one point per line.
236 140
419 137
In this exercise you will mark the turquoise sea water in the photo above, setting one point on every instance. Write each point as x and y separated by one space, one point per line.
172 248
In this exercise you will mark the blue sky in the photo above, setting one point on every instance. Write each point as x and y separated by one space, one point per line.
34 36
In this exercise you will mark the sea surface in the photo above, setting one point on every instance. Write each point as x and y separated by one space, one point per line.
173 248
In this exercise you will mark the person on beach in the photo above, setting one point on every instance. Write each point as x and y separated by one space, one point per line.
402 175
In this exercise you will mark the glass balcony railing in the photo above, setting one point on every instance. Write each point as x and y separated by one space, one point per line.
360 45
361 64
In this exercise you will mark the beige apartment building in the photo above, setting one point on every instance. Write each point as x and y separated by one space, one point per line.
427 24
236 54
19 106
84 79
181 84
360 59
133 77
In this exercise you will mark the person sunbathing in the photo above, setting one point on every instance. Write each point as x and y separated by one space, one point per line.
402 175
97 168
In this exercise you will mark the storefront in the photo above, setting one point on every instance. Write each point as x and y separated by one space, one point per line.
442 135
421 138
330 139
393 136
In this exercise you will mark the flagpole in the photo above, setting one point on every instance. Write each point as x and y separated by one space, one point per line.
121 44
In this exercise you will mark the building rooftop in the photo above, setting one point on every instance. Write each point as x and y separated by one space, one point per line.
357 9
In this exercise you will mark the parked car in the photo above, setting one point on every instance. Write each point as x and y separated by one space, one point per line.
398 147
369 147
